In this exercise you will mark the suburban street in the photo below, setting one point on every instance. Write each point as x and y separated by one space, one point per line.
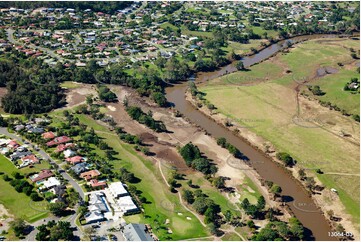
72 218
45 156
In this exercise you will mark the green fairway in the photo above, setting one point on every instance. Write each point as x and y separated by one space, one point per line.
162 204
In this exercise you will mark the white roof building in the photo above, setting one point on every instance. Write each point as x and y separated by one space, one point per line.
95 216
117 189
68 153
50 183
126 204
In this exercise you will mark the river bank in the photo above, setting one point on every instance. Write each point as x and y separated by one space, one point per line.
297 198
269 150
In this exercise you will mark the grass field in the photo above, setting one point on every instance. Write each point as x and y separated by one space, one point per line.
162 203
69 85
240 49
231 237
10 198
272 101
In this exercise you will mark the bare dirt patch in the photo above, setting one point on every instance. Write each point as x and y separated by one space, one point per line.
77 96
5 218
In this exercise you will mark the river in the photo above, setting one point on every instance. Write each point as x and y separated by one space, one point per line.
304 208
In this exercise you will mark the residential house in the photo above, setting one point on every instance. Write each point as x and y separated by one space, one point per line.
48 135
58 140
126 204
98 184
13 144
44 174
75 159
63 147
69 153
18 154
97 205
117 190
50 183
90 174
80 168
28 160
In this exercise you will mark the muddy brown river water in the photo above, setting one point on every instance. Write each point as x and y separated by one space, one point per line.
293 193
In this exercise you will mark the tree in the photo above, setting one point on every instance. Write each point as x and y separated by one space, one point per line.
302 173
213 228
228 215
18 226
61 231
245 203
286 158
222 142
275 189
218 182
240 66
200 205
210 215
57 208
160 99
296 228
189 152
35 196
261 203
188 196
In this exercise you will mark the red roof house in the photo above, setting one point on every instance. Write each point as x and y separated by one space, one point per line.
63 147
13 144
41 175
75 160
90 174
48 135
96 183
32 158
58 140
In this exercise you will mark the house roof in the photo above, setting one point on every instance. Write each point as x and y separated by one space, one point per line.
51 182
48 135
96 183
75 159
58 140
80 167
126 204
41 175
62 147
31 158
94 216
90 174
117 189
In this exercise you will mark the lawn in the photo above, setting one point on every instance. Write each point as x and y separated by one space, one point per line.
259 30
166 24
162 204
231 237
10 198
187 32
272 103
249 191
240 49
69 85
333 85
